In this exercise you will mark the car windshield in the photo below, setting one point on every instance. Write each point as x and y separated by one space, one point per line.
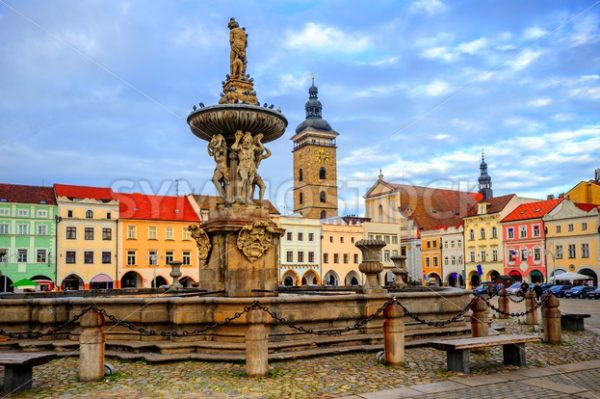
556 287
515 285
578 288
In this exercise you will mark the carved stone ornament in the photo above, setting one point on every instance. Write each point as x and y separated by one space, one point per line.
256 239
202 241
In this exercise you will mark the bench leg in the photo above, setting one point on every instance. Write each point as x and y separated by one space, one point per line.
458 360
17 378
514 354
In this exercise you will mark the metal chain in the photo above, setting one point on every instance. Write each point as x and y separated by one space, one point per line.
516 300
438 323
543 299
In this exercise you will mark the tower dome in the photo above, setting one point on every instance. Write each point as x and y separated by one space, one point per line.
313 107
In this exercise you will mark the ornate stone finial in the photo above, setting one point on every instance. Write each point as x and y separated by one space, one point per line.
400 271
380 177
202 242
371 264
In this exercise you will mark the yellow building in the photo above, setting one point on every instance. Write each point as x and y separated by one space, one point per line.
586 192
573 240
340 257
431 255
87 237
153 233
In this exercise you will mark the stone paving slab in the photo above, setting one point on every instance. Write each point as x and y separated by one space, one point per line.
391 393
544 383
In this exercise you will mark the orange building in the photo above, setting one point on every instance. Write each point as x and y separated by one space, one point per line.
431 255
153 233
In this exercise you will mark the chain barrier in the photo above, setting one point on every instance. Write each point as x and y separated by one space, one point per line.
438 323
52 331
538 304
516 300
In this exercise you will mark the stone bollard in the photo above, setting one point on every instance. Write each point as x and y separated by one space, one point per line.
91 347
551 320
393 334
479 318
257 344
530 303
503 303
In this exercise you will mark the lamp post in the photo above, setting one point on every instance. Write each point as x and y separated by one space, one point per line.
154 262
547 251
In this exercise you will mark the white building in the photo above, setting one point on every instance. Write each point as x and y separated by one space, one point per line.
300 251
453 263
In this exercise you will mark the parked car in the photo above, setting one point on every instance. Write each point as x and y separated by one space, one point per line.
593 294
545 287
514 289
579 291
559 290
483 289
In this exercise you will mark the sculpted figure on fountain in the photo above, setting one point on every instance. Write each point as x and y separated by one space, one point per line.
260 152
217 148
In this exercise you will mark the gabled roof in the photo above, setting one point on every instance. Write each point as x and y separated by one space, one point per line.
496 204
532 210
209 202
84 192
27 194
155 207
587 207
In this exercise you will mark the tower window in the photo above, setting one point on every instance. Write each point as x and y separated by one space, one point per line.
323 196
301 198
322 173
323 215
300 175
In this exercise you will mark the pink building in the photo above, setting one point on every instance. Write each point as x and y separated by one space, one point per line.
524 241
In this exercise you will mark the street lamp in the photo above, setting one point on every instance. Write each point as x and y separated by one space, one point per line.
547 251
154 262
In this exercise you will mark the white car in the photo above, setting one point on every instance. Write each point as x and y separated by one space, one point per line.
514 289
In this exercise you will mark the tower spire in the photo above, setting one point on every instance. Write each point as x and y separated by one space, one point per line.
485 181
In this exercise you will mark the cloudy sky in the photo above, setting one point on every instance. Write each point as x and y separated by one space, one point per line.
97 92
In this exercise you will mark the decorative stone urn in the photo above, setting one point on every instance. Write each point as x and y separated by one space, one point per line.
371 264
400 271
175 274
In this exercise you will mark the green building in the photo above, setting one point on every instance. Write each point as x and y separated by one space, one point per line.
27 236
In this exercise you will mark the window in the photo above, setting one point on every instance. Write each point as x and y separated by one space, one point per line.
88 257
3 255
300 236
169 233
4 211
311 236
152 232
523 231
558 252
356 258
300 256
70 257
89 233
494 232
445 244
187 259
106 258
342 240
42 213
4 228
482 233
386 239
323 197
584 226
571 227
394 252
41 256
512 256
471 234
108 215
572 253
585 250
107 234
301 198
435 244
325 258
23 213
89 214
494 255
523 254
426 262
168 257
537 254
152 258
323 215
558 229
472 255
394 239
510 232
69 213
300 176
131 258
289 256
460 260
386 255
288 236
483 256
42 229
428 244
131 233
352 240
322 173
446 261
536 230
311 257
336 258
330 238
187 234
371 237
458 243
23 229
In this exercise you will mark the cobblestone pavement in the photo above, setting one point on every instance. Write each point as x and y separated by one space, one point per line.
322 377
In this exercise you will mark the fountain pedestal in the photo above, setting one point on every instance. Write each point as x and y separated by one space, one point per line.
244 256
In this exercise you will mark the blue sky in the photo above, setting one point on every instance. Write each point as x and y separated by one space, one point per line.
97 92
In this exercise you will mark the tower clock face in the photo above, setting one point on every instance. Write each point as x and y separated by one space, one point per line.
322 157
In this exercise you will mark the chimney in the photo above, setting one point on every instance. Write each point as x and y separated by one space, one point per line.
597 175
561 195
550 196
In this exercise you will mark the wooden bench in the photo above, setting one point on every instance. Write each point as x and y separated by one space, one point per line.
573 321
457 350
18 368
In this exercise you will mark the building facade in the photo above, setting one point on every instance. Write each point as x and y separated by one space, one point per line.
431 256
523 234
453 266
573 239
27 236
340 257
300 252
586 192
153 233
315 164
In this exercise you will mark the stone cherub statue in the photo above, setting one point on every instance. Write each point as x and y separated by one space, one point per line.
217 148
246 170
260 152
238 39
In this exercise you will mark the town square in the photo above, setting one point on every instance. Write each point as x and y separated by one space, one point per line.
388 200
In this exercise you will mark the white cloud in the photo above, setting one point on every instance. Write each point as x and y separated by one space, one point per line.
562 117
441 136
385 61
379 90
585 31
473 46
442 53
430 7
540 102
327 38
196 35
364 155
449 54
437 88
524 58
534 33
590 93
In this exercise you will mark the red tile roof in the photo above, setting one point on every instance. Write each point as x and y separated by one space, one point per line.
209 202
586 207
496 204
532 210
434 208
27 194
83 192
155 207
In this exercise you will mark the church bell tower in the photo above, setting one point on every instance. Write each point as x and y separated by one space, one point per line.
315 163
